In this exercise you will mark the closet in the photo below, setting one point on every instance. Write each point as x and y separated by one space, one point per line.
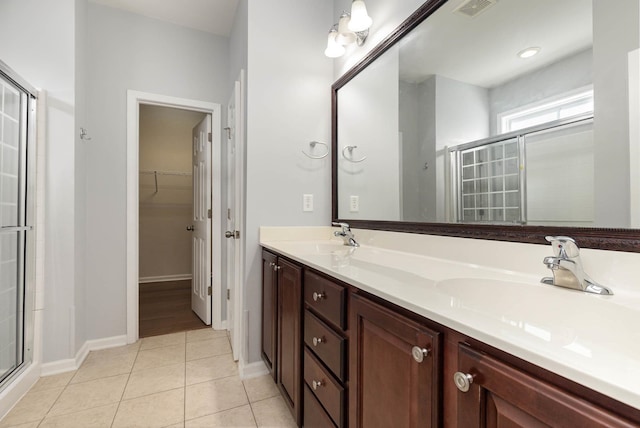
165 220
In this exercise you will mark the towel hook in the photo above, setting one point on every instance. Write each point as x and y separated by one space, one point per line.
313 144
350 158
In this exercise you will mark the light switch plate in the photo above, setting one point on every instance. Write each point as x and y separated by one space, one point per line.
307 202
354 204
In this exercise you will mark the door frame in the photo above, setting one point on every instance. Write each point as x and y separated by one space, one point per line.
238 346
134 100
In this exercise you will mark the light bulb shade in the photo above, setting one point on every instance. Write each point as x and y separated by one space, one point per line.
334 49
345 36
360 20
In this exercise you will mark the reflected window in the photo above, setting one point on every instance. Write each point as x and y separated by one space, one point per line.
568 105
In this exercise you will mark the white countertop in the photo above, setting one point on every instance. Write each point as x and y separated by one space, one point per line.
590 339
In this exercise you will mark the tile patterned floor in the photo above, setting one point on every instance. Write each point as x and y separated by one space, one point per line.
179 380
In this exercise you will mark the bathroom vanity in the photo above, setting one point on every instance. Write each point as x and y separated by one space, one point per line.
373 336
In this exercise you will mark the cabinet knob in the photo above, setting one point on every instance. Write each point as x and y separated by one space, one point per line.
419 353
317 384
318 296
462 381
318 340
272 264
276 267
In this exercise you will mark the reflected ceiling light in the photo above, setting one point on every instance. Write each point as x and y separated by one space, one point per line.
528 52
351 28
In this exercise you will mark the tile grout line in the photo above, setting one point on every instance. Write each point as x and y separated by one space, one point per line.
125 386
255 421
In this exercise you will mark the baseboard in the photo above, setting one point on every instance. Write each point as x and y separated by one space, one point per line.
70 364
248 371
164 278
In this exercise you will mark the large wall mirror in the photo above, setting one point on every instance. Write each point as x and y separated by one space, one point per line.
503 119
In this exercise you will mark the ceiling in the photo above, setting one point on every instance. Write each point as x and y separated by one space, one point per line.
212 16
482 50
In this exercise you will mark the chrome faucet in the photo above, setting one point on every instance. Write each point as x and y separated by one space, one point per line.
567 267
345 234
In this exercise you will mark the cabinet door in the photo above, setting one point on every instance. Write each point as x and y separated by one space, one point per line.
290 335
269 310
502 396
389 387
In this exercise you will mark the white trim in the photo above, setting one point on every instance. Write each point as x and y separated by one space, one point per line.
164 278
17 389
238 290
248 371
634 136
70 364
134 99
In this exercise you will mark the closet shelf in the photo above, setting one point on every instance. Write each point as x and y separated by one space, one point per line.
156 173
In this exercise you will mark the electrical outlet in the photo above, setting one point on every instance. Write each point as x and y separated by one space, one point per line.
354 204
307 202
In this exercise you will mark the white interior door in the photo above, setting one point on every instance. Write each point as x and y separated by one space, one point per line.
234 219
201 227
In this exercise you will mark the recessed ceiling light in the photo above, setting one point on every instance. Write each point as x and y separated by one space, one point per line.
528 52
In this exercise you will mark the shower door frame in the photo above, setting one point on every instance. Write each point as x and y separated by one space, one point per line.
27 180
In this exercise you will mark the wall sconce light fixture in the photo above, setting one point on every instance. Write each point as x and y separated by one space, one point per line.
351 28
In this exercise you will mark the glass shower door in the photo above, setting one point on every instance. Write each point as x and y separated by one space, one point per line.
13 225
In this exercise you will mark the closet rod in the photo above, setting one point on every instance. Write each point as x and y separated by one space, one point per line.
157 172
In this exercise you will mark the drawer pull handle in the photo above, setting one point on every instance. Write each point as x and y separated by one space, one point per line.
463 381
318 340
317 384
318 296
419 353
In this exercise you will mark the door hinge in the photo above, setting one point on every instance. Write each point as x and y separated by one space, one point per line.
228 294
210 137
209 291
209 213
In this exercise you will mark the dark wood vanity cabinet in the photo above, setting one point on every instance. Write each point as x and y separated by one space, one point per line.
394 369
342 357
495 394
282 327
269 310
325 351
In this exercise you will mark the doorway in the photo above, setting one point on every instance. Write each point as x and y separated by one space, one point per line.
167 262
136 103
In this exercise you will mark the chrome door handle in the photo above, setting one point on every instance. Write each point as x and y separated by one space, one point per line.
235 234
190 228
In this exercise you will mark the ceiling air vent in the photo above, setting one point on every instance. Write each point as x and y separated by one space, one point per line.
473 8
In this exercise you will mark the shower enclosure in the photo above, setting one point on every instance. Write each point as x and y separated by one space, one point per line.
17 147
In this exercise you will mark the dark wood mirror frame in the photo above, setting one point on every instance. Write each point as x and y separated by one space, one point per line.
598 238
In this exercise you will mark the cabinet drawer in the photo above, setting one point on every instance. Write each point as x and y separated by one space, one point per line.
326 297
326 344
314 414
327 390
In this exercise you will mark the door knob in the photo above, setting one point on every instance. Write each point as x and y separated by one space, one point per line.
235 234
190 228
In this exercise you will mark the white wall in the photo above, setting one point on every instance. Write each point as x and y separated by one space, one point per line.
127 51
37 41
368 118
288 106
616 32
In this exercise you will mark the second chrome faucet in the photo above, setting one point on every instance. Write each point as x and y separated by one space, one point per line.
567 269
